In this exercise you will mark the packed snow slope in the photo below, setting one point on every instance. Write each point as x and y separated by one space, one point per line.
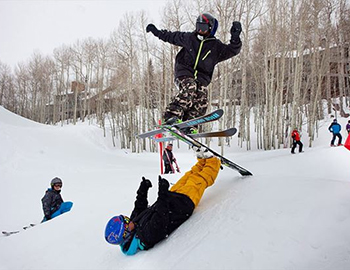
294 213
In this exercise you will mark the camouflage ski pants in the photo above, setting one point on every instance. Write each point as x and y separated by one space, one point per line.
190 102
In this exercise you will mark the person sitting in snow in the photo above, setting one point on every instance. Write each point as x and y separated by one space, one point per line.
335 128
52 201
296 141
149 225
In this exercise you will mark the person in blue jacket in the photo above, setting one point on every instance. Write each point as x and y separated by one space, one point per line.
335 128
53 204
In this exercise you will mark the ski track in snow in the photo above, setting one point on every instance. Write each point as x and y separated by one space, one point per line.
293 213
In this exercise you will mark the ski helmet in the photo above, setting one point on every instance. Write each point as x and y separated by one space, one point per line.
56 180
206 25
116 229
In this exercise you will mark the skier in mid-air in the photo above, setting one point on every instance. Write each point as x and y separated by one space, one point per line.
149 225
195 62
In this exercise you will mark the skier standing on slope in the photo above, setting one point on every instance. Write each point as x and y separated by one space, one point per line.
195 63
149 225
296 141
169 159
335 129
348 127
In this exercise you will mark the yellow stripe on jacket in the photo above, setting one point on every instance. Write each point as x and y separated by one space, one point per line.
195 181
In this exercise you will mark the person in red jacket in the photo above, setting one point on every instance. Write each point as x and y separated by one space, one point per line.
296 141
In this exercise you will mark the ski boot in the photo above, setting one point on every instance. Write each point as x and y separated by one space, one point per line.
202 152
172 121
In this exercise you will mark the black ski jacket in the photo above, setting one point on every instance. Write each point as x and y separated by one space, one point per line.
165 157
156 222
51 201
197 58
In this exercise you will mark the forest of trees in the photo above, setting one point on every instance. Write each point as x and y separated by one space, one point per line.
294 62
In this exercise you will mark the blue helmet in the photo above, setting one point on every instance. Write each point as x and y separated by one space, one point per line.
116 229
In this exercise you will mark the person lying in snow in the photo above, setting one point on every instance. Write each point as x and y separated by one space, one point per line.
52 201
149 225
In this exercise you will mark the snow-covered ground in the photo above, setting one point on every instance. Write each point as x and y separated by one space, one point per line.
294 213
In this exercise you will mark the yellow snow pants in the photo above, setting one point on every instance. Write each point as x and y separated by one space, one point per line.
195 181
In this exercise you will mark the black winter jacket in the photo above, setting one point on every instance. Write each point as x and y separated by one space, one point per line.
51 201
155 223
165 157
209 52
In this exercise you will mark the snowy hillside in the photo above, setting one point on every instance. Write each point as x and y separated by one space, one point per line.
294 213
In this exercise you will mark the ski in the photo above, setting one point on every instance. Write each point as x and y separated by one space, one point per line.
214 134
193 142
29 226
215 115
8 233
221 133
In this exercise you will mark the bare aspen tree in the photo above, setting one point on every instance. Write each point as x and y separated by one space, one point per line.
148 95
129 51
319 65
248 13
78 54
5 75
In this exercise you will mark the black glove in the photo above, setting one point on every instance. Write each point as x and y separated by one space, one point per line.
236 30
163 186
144 186
151 28
48 217
146 183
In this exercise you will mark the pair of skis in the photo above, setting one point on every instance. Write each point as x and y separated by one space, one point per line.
176 131
8 233
215 115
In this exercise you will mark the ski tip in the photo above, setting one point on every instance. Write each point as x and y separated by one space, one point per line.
246 173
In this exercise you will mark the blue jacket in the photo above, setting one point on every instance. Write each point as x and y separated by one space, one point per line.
335 128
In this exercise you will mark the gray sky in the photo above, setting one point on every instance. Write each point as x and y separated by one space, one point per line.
27 25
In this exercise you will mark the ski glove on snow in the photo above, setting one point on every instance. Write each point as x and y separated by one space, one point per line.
144 186
163 186
153 29
146 183
236 30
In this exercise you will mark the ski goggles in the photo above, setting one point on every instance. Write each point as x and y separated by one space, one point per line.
202 27
126 227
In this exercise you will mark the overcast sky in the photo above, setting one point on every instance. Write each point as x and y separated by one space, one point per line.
27 25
